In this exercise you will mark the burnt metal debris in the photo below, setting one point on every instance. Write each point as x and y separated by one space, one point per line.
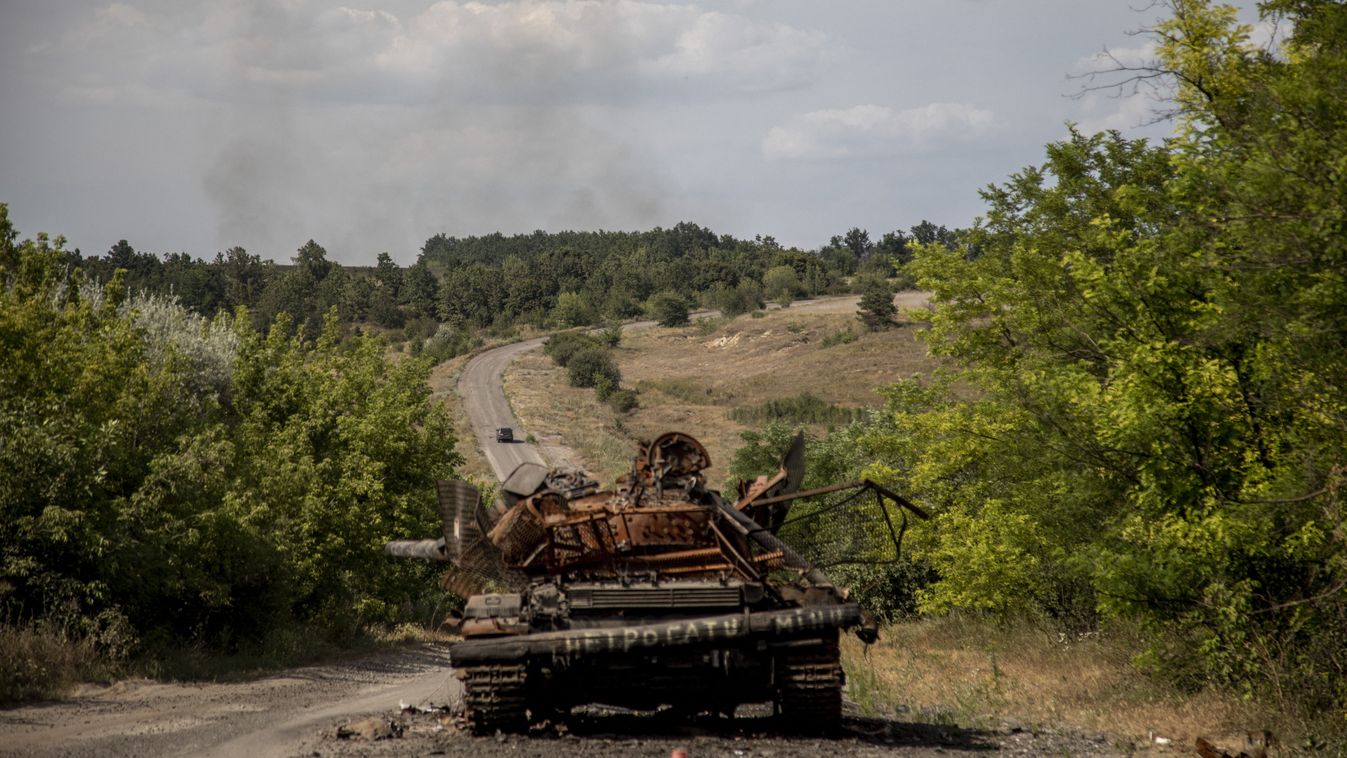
658 593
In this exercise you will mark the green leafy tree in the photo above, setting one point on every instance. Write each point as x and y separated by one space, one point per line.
572 309
388 274
781 284
421 291
562 346
591 366
1152 337
245 277
195 481
668 309
876 309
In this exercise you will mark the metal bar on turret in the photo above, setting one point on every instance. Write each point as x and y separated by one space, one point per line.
768 541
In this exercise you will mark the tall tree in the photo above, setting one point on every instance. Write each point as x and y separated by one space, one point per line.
1156 341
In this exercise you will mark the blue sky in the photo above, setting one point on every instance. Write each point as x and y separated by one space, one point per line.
372 125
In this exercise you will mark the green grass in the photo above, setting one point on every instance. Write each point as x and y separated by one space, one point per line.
804 408
685 390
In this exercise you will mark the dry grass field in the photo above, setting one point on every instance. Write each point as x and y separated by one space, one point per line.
690 378
986 673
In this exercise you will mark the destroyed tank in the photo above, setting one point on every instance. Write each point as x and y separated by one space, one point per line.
659 593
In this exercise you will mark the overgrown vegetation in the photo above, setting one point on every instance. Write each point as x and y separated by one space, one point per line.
588 360
170 480
803 408
992 671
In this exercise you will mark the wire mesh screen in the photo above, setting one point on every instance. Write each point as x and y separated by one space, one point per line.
858 527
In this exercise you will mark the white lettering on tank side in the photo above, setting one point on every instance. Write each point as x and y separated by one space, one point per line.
692 632
628 638
710 628
591 643
649 637
671 634
784 623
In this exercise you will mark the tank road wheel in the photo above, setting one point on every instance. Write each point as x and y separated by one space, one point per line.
495 698
809 688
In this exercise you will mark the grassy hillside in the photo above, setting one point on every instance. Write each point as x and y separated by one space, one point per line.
713 380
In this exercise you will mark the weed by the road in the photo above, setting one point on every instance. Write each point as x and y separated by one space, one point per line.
41 661
978 671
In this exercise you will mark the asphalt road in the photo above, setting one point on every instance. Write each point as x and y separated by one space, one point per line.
483 397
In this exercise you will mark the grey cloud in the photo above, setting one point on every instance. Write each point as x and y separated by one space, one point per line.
520 51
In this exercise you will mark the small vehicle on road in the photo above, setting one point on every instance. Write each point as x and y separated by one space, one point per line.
505 434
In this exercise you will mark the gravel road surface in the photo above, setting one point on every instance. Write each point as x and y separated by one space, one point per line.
272 716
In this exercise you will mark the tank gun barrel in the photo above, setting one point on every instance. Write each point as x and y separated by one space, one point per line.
426 550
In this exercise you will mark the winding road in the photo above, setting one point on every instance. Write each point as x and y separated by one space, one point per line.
481 389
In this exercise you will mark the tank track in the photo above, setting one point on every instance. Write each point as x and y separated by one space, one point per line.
495 698
809 688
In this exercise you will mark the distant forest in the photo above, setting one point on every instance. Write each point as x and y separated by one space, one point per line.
498 281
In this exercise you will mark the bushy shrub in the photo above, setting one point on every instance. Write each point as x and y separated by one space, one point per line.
448 342
590 365
804 408
611 335
572 309
781 284
668 309
744 297
623 400
560 347
877 310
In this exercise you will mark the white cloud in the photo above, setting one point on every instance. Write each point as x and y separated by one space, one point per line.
1112 58
1124 111
874 130
454 50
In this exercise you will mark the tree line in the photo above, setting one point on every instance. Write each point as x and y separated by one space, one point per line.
496 281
